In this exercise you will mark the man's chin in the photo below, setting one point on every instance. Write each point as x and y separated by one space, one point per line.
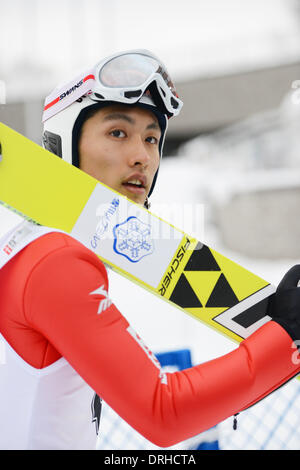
134 196
134 199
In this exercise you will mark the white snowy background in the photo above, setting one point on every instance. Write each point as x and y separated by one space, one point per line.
43 42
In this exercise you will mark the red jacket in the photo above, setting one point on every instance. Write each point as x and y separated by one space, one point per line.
49 308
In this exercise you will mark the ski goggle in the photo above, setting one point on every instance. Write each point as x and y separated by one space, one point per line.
123 78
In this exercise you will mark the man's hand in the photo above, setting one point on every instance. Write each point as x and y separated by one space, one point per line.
284 305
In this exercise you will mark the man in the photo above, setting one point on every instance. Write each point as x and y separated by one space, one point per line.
66 342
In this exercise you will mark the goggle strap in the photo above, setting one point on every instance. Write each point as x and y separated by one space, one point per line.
59 99
156 96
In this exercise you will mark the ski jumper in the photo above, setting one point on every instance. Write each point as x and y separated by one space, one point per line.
66 344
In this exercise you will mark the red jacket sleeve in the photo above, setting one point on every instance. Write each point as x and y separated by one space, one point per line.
66 301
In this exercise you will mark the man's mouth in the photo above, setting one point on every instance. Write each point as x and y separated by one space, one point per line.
136 184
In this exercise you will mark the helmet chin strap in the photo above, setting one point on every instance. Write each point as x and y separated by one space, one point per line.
147 203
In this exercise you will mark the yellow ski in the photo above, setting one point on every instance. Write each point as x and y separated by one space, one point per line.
131 240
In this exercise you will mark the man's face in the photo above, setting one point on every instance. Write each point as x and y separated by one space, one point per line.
119 146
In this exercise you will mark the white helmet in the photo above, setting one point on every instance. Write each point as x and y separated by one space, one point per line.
132 77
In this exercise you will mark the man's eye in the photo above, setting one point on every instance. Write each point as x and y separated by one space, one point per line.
152 140
117 133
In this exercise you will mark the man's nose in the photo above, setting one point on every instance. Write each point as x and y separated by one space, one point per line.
137 153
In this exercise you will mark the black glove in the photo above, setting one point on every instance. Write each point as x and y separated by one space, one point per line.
284 305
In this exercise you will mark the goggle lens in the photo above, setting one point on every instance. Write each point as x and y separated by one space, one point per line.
132 70
128 70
